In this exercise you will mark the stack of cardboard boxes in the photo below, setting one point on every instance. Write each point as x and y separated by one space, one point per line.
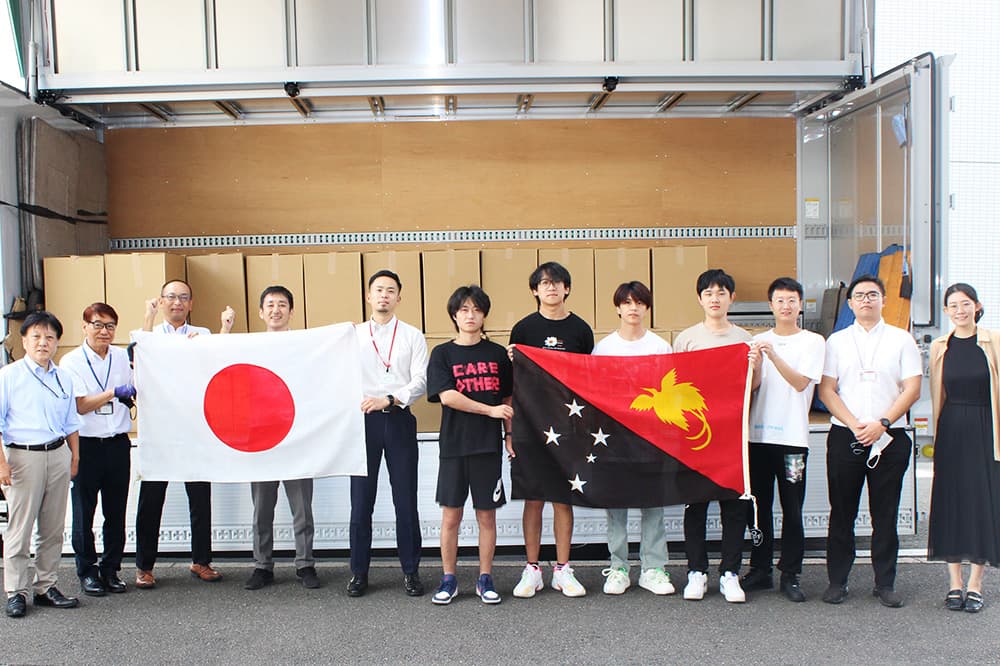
330 288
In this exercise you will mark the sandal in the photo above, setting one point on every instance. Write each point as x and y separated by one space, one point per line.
955 600
973 602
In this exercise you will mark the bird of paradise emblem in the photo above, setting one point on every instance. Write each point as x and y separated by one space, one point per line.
670 403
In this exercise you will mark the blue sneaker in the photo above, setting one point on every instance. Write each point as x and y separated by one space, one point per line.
486 591
447 591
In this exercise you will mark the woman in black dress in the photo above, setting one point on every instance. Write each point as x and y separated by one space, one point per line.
965 498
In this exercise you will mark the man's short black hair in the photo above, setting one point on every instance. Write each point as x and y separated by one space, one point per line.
43 319
552 271
183 282
385 273
473 293
281 291
639 293
785 284
865 278
716 277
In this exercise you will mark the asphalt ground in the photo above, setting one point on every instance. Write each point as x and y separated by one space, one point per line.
187 621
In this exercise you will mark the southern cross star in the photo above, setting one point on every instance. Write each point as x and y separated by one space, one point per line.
600 437
551 436
574 409
577 484
591 458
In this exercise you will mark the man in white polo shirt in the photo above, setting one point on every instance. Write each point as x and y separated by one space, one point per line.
871 377
102 383
176 300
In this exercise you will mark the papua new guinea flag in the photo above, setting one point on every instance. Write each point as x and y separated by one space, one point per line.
630 431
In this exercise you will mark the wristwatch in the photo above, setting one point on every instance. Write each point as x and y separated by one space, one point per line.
392 401
886 423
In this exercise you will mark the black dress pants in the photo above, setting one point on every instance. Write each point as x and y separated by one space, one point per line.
147 522
105 465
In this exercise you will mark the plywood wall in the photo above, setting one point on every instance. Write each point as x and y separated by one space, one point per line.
472 175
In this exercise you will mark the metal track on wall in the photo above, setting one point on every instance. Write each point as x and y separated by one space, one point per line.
451 236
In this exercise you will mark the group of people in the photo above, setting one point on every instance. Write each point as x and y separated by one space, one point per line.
72 422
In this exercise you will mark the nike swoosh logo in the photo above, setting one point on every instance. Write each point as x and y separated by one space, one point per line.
498 491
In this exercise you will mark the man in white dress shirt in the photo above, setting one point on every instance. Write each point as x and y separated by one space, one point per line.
393 376
871 378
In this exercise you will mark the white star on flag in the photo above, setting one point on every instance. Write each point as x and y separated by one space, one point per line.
551 436
591 458
577 484
574 409
600 437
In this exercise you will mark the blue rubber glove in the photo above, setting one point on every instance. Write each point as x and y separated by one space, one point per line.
124 391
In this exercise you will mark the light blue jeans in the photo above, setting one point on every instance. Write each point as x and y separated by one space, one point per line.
652 544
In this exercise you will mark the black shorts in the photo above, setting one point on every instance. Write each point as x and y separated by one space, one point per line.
480 473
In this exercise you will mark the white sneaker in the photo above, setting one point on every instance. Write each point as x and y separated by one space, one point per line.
729 585
616 581
564 580
656 581
697 586
531 582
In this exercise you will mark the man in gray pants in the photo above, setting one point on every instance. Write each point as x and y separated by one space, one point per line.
276 305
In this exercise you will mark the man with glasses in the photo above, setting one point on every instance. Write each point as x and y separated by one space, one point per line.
102 382
175 301
871 377
37 417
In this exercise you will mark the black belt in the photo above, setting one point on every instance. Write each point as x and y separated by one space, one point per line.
393 410
47 446
105 439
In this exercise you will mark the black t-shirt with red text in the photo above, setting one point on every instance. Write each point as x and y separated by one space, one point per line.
481 372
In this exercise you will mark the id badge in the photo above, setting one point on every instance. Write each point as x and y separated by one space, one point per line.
385 378
869 375
107 409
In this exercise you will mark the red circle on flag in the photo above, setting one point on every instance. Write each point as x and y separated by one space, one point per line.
249 407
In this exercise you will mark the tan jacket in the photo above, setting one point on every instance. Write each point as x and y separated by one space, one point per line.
989 342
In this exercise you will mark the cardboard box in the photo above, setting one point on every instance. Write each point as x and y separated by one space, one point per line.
407 266
444 272
333 291
71 284
218 281
675 276
268 270
132 279
505 278
582 297
428 414
613 266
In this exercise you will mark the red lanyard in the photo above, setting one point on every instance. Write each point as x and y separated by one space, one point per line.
387 361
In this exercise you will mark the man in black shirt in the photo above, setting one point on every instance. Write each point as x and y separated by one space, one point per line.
556 328
471 377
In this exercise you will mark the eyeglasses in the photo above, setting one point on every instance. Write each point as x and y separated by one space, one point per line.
183 298
960 305
108 326
781 302
546 283
860 297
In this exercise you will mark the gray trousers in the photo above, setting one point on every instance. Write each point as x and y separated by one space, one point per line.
38 494
653 539
265 496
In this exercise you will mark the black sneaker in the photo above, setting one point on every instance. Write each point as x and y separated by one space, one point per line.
835 594
308 577
258 579
888 597
757 579
790 588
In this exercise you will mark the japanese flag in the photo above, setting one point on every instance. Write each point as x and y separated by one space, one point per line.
251 406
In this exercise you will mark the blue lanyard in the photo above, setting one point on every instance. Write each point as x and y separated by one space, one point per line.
47 387
104 386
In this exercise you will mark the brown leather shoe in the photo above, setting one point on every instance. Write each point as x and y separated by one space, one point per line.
144 579
205 572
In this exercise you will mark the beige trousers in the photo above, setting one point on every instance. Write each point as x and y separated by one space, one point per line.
39 492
